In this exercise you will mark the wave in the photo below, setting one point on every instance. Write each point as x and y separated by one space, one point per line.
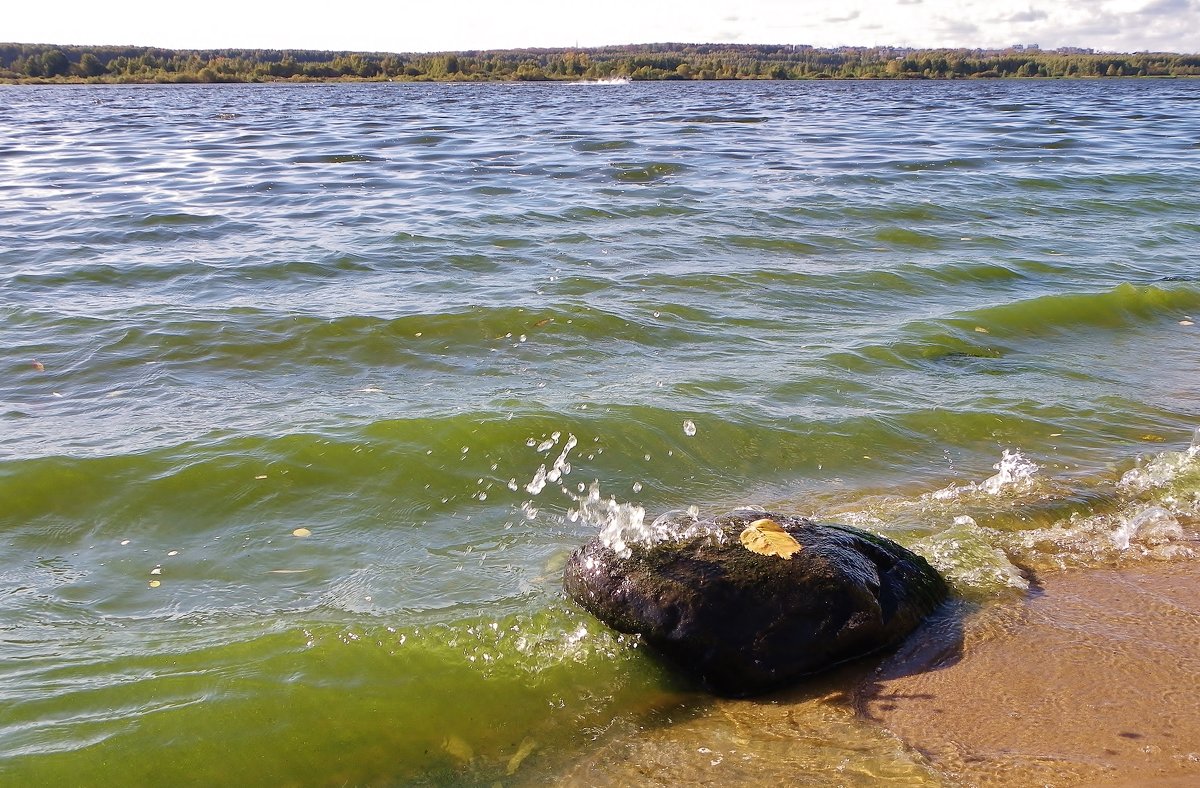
993 332
994 536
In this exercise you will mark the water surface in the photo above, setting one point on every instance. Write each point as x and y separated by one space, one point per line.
281 365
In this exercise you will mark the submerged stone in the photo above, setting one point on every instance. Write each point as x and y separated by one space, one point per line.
744 622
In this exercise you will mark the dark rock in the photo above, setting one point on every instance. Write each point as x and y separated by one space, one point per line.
744 623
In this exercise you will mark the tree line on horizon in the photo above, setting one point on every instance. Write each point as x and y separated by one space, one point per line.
44 63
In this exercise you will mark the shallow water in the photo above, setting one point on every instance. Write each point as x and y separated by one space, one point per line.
282 365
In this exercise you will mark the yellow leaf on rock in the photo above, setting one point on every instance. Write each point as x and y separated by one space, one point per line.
767 537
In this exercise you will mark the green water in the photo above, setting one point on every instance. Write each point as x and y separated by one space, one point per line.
282 364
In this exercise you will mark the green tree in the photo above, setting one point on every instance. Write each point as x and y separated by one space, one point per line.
55 63
90 65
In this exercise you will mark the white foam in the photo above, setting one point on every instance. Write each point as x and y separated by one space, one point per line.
1014 474
1162 469
621 524
1152 526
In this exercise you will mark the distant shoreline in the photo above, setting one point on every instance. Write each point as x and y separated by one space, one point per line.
376 81
41 64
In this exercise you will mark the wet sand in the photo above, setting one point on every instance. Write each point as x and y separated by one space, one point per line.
1090 680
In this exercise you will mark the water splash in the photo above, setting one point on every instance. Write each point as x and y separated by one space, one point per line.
1152 526
967 557
560 468
1163 469
621 524
1014 474
1030 523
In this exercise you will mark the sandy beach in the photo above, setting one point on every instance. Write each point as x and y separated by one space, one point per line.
1090 680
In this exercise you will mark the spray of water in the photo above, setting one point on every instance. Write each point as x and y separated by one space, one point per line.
1014 474
621 525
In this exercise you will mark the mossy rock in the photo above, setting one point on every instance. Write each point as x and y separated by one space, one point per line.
743 622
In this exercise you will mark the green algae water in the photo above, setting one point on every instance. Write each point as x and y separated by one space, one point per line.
309 391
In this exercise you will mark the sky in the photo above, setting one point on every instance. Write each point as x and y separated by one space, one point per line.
397 26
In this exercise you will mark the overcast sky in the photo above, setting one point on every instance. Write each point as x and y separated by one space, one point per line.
422 26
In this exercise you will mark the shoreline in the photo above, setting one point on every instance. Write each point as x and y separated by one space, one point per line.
1088 680
53 63
602 82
